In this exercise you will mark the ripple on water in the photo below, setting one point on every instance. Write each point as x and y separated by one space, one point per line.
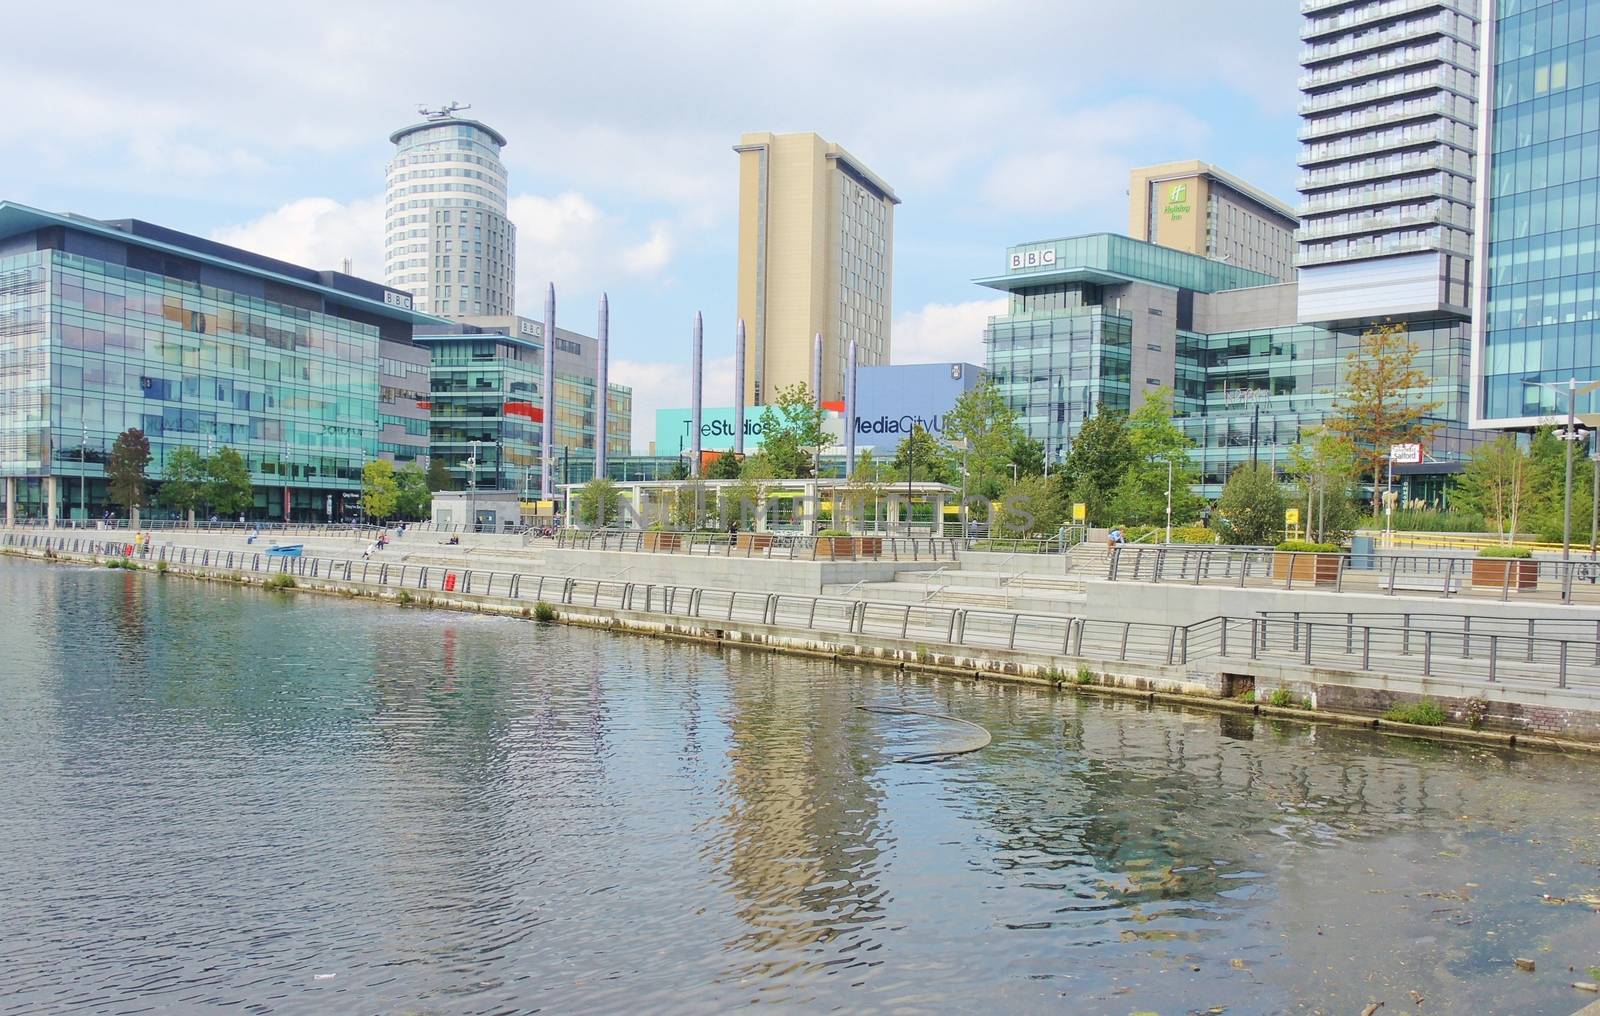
214 796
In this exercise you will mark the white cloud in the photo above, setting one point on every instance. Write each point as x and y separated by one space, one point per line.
658 385
653 254
569 240
943 332
317 233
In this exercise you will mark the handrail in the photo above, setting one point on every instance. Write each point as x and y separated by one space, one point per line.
1469 654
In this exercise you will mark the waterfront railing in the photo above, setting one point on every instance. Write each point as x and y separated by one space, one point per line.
1484 651
1386 573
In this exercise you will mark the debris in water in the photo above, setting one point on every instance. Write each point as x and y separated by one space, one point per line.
1236 964
1585 986
1523 963
1416 998
1372 1008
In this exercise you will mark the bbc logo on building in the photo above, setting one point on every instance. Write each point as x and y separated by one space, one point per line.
1034 259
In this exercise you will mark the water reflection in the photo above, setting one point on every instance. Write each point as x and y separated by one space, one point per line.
307 805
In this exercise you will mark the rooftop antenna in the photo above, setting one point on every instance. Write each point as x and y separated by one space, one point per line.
444 112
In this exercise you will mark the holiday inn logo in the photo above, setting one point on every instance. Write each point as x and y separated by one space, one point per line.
1177 205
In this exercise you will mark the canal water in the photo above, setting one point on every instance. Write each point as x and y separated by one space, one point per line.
283 803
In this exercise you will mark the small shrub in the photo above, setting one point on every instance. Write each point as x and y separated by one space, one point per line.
1516 553
405 599
161 567
50 555
1247 697
542 611
1193 534
834 532
1283 698
1306 547
1084 675
1423 713
1476 710
526 613
282 580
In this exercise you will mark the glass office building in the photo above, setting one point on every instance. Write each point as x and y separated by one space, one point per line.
1097 322
1539 281
486 404
107 326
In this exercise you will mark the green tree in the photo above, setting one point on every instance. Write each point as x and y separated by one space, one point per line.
1030 508
413 499
1547 483
1101 455
1251 507
130 455
1382 403
791 431
1324 467
925 459
1496 484
679 471
1141 495
183 484
1028 454
227 488
438 475
725 467
598 503
988 426
380 492
692 505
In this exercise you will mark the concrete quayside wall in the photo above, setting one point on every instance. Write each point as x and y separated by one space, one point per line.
1520 708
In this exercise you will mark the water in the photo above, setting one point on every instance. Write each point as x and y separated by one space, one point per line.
213 797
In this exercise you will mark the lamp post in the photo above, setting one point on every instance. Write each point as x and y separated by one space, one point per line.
472 487
911 465
1571 437
1169 501
83 469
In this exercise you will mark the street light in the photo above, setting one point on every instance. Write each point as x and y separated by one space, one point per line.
1169 501
83 469
1571 436
472 486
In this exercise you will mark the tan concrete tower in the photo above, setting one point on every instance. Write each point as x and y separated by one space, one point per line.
816 248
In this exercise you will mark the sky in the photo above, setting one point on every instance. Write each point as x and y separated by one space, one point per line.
995 122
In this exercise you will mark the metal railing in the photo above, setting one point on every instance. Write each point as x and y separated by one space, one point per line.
1377 572
767 545
202 526
1426 645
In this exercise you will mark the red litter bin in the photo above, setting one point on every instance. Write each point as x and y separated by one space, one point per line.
450 582
127 550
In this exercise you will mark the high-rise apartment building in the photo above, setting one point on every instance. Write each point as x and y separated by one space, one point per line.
447 240
1196 207
1538 235
816 250
1388 114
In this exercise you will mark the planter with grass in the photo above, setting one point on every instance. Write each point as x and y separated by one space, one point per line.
1316 563
835 544
1505 568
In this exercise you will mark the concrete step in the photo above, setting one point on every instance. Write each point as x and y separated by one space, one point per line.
1056 601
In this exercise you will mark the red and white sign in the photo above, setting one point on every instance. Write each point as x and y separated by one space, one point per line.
1405 454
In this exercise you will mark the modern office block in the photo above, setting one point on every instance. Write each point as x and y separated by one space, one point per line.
486 401
107 326
816 254
1388 113
1097 322
1198 208
1538 233
447 240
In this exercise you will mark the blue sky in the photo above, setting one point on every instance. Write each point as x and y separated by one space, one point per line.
995 123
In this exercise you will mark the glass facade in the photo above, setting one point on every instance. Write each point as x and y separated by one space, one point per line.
91 348
1108 257
1541 302
487 396
1068 349
1056 367
1293 374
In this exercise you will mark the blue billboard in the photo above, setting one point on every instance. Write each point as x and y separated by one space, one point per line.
897 397
716 430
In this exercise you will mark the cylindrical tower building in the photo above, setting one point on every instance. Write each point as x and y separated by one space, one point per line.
447 239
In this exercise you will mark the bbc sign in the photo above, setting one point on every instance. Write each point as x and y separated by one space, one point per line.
1034 259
